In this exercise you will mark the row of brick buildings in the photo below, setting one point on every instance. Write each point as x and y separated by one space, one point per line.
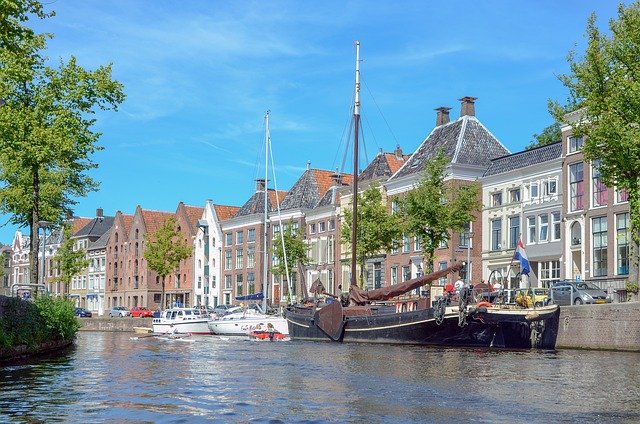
572 225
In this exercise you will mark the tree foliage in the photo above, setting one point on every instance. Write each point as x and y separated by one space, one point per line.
70 261
604 89
436 207
164 250
376 227
291 244
549 135
46 120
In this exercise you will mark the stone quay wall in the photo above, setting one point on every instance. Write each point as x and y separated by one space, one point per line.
125 324
613 326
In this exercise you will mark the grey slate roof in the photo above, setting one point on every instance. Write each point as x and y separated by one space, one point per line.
95 228
329 197
101 242
525 158
466 141
255 204
378 167
307 192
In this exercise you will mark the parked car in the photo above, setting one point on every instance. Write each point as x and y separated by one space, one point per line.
81 312
119 311
577 293
141 312
533 296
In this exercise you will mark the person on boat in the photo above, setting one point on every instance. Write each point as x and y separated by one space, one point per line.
459 285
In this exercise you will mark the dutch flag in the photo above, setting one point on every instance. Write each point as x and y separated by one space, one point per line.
521 256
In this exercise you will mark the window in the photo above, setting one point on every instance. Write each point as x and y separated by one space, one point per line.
394 275
332 224
599 231
276 230
239 237
322 227
496 234
239 285
395 207
239 259
251 262
405 244
531 229
514 231
550 187
251 235
251 283
394 247
544 227
227 259
514 195
575 144
549 272
227 282
576 187
312 228
465 235
444 243
622 195
533 191
496 199
622 243
228 239
555 224
417 244
441 266
406 273
598 188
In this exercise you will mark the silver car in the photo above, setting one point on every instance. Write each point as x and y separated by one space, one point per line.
577 293
119 311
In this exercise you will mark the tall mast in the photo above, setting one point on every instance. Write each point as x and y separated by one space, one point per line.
356 125
265 233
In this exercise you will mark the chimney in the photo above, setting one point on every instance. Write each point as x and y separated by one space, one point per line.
398 150
442 117
308 164
260 184
99 213
468 106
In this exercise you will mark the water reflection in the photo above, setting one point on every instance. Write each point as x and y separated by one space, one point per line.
110 378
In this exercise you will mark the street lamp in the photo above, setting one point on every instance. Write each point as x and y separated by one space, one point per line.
44 225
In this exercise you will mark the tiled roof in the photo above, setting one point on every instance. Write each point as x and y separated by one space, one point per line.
78 224
309 189
332 196
194 213
128 221
525 158
225 212
465 141
383 165
255 204
153 220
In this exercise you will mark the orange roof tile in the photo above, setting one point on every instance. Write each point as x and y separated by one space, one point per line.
78 224
324 179
194 213
225 212
274 199
153 220
394 162
127 221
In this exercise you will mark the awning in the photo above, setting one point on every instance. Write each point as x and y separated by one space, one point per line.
255 296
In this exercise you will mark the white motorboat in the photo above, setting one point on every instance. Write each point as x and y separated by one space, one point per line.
182 321
242 323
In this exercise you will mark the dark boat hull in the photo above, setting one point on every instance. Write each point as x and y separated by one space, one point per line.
420 327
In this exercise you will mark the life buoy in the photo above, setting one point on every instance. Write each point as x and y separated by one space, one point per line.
483 303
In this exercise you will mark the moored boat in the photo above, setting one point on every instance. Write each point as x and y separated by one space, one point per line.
182 321
241 324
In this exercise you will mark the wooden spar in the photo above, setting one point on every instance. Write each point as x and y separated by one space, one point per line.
265 233
356 124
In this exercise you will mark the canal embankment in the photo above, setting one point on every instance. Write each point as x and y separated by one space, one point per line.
613 326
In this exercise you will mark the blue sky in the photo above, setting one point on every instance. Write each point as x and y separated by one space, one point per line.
199 76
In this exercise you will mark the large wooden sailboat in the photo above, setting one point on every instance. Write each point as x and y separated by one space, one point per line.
375 317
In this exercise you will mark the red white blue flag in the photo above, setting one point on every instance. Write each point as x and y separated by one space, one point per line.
521 256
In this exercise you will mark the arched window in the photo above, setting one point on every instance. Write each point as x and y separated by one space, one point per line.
116 237
576 234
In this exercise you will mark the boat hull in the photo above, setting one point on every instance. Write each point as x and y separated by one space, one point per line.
243 326
192 327
482 328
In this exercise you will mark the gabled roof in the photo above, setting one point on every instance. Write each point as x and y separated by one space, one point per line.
255 204
153 220
465 141
225 212
525 158
78 223
96 227
332 196
309 189
384 165
194 213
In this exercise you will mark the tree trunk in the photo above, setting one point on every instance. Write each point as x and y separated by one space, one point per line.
162 306
34 242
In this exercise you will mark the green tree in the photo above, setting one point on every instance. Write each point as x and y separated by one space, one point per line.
604 87
164 250
46 120
295 249
376 227
71 261
549 135
436 207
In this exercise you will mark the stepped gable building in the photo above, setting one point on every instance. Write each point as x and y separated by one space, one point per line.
313 205
207 256
470 147
20 264
116 260
243 245
522 196
83 290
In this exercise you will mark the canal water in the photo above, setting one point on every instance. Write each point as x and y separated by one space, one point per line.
108 378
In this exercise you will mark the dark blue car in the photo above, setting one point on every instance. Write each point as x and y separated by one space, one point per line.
81 312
